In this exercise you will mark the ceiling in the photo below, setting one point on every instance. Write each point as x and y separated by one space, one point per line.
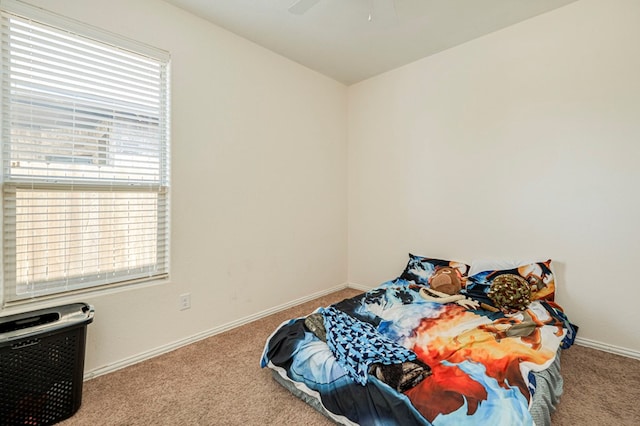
352 40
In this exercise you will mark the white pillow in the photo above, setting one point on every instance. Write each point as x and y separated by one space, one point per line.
495 265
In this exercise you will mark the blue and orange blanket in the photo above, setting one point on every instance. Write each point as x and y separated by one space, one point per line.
482 363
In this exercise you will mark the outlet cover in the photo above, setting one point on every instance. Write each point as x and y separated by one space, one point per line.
184 301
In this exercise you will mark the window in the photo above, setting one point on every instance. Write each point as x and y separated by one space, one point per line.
85 156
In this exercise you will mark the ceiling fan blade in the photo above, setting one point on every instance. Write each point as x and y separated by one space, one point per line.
302 6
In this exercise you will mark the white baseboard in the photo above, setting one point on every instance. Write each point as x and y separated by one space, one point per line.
207 333
359 286
605 347
242 321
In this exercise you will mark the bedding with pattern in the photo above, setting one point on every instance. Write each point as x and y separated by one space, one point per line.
390 357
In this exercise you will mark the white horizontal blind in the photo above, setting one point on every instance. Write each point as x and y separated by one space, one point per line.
85 160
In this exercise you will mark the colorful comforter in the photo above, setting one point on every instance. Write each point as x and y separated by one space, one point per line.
482 363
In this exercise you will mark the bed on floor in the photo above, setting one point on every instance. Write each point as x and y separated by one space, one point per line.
396 356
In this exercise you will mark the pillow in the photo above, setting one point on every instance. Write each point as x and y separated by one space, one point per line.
482 265
538 274
420 269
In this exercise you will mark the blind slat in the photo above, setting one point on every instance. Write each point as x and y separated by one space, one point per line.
55 98
94 65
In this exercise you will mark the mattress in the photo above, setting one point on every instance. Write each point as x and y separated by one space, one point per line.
481 367
547 395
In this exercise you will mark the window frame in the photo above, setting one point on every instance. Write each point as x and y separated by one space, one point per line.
8 288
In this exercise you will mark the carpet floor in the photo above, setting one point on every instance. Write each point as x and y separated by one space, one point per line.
218 381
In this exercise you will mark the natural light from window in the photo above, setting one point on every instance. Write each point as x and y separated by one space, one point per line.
85 161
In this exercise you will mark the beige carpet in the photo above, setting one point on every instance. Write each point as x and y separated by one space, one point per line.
218 381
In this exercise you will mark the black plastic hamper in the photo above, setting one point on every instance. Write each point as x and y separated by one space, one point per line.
42 364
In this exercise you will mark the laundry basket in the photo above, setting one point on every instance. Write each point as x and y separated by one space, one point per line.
42 364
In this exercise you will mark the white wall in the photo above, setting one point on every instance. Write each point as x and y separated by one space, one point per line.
258 182
523 143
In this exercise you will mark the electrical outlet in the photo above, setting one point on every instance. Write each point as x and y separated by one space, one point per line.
184 301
